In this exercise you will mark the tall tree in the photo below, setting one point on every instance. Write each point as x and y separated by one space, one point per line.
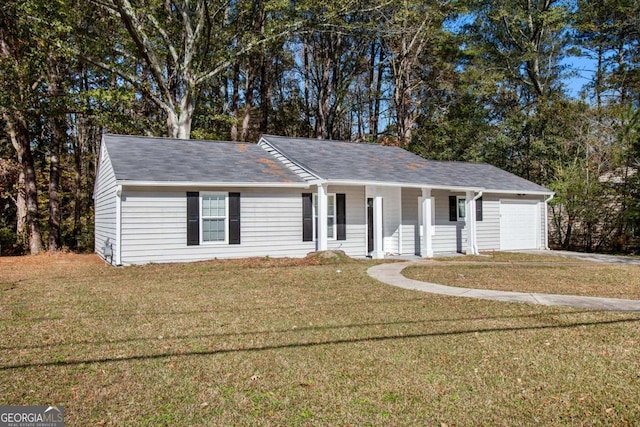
173 49
21 76
412 35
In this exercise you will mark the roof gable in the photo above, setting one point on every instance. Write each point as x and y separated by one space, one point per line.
150 159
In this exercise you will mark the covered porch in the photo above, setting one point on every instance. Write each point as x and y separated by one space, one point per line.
400 220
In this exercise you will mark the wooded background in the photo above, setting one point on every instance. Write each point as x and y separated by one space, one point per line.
464 80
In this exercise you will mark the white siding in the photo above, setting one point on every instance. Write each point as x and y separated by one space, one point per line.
154 226
105 204
452 236
449 236
356 243
391 213
410 227
488 230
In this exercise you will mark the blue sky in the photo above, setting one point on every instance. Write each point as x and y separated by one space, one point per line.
580 72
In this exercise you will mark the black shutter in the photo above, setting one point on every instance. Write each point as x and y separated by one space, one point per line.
193 218
479 209
341 216
307 217
234 218
453 208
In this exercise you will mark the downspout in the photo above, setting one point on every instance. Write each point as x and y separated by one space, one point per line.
475 226
118 253
546 222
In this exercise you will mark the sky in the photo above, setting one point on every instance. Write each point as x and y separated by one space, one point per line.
580 72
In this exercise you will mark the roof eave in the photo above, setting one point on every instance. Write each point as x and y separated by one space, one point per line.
436 187
189 184
525 192
401 184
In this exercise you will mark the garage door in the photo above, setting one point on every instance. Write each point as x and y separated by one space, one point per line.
519 224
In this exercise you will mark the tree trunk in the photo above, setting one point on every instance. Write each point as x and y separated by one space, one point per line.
78 144
58 136
54 186
248 105
265 95
17 130
307 85
235 83
21 203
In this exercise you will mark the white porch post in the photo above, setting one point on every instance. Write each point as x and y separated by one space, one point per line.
321 227
470 219
378 251
427 224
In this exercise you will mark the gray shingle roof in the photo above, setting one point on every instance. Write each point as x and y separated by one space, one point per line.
136 158
336 160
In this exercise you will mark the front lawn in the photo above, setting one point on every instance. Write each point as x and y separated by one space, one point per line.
532 273
290 342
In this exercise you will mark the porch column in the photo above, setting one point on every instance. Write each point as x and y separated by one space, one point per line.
426 250
378 251
470 220
321 227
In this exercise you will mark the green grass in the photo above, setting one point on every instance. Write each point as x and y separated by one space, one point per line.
533 273
279 342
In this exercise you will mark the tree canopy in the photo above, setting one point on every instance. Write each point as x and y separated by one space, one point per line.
453 80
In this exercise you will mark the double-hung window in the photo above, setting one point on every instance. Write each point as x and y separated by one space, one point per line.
331 216
214 217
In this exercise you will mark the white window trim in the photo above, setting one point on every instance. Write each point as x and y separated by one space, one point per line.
460 199
314 203
226 218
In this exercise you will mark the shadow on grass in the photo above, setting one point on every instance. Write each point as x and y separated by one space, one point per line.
282 331
211 309
379 338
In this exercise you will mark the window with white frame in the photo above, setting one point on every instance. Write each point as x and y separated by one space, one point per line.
331 216
461 208
214 217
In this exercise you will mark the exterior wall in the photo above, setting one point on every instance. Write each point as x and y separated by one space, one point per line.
449 236
410 227
391 215
356 211
452 236
154 226
488 230
105 204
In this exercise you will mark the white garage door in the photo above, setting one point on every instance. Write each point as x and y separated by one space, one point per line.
519 224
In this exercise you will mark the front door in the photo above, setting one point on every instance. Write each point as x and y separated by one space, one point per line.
369 225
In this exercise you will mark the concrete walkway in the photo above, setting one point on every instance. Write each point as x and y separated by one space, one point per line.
608 259
391 274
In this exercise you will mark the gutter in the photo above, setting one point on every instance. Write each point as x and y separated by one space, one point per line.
183 184
546 222
402 184
476 250
118 254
